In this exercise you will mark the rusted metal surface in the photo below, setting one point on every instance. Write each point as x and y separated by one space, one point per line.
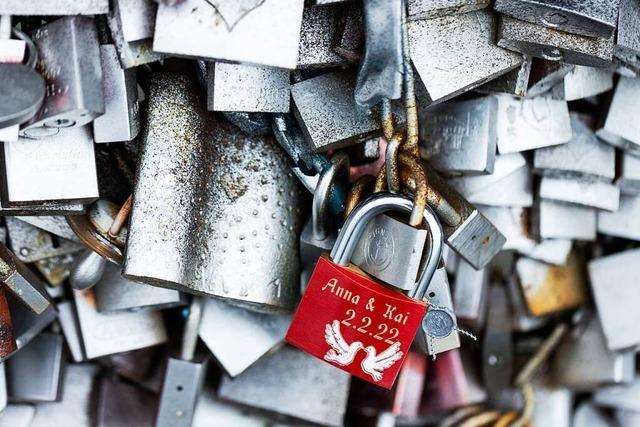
7 338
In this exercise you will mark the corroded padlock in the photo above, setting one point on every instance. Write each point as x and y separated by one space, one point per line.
353 312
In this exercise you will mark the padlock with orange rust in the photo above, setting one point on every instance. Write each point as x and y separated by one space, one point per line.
344 311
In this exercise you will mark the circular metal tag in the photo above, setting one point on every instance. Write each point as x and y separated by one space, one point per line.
439 323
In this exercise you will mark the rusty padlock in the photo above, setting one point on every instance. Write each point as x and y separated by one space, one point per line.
352 312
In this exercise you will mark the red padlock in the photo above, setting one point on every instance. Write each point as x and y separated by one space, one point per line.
353 322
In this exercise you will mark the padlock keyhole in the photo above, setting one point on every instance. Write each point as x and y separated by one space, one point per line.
179 388
55 242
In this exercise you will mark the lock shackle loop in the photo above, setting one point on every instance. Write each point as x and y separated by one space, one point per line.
321 196
31 48
375 205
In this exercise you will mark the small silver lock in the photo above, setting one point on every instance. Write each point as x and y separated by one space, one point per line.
621 128
470 295
556 220
624 222
585 192
583 82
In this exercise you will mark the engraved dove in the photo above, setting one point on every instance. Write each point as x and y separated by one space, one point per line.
232 12
340 352
374 363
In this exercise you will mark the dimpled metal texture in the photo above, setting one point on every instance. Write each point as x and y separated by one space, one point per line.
215 212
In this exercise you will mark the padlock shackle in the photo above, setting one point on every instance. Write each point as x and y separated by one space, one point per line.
375 205
321 195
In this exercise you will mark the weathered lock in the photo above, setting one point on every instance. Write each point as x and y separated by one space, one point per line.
247 208
34 374
121 118
445 53
58 7
515 82
553 45
319 27
353 312
231 30
593 19
247 88
587 192
621 128
460 137
32 244
22 282
583 82
184 375
69 61
470 296
556 220
71 330
317 234
627 47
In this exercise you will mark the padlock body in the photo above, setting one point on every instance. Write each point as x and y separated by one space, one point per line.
354 323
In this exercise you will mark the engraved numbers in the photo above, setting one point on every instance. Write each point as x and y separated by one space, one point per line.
383 332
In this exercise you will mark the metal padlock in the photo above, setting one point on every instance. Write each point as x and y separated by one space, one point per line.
545 75
521 319
553 45
246 252
621 396
249 88
276 382
583 156
349 36
231 30
624 222
184 376
237 337
129 21
429 9
620 128
15 415
616 297
382 67
327 112
525 124
588 192
595 19
74 94
59 7
109 333
319 26
583 362
76 405
121 118
628 178
65 165
32 244
470 295
556 220
55 270
22 282
56 224
460 137
589 415
583 82
35 373
627 47
395 317
552 405
445 53
211 410
515 82
71 330
123 404
513 224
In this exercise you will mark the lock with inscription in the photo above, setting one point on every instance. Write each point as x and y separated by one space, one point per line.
343 311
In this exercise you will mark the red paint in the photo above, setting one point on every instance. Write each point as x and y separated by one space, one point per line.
384 321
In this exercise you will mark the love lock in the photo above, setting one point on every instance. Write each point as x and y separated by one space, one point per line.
354 312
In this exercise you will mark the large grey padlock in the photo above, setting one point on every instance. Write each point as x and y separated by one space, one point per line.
382 66
460 137
593 19
247 88
241 31
34 374
65 165
69 61
621 129
184 376
247 207
319 26
121 118
445 53
237 337
317 234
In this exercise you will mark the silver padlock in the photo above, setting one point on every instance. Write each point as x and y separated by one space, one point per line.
622 396
583 156
625 222
616 297
109 333
319 26
445 53
582 361
621 129
65 165
514 82
248 205
58 7
128 21
22 283
115 293
184 376
460 137
552 405
429 9
230 30
276 382
583 82
588 192
212 411
525 124
439 332
76 406
629 175
237 337
249 88
555 220
35 373
545 75
17 415
71 330
470 295
328 114
594 19
32 244
513 224
553 45
521 319
627 47
121 118
121 403
69 61
55 224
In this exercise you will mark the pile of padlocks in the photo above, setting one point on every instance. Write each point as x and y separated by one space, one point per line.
326 212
